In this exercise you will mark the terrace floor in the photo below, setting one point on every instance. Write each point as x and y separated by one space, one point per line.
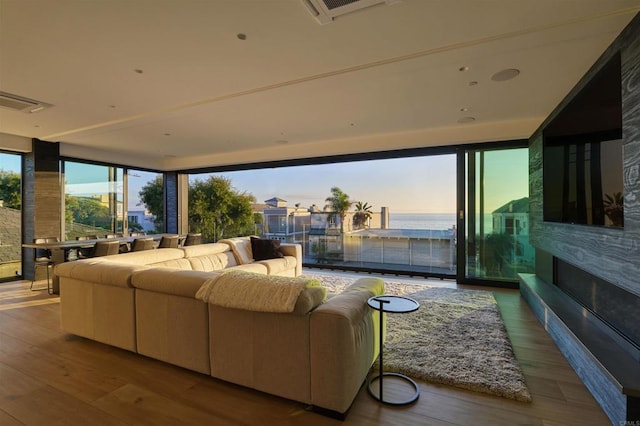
50 377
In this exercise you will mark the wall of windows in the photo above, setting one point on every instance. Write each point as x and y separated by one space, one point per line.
389 215
10 216
460 212
395 214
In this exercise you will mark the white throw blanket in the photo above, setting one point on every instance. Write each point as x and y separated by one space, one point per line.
254 292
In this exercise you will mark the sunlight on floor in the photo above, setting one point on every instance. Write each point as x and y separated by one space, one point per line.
17 294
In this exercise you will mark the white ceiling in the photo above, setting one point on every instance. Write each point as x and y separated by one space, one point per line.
382 78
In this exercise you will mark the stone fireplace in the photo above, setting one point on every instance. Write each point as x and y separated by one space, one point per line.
616 308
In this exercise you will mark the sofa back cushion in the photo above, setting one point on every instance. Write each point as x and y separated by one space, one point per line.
146 257
212 262
205 249
174 263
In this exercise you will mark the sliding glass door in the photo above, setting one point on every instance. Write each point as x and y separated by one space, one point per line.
495 215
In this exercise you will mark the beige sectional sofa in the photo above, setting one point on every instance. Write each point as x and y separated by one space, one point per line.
146 302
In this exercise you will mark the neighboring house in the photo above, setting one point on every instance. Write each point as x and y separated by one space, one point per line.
513 219
310 226
143 218
287 224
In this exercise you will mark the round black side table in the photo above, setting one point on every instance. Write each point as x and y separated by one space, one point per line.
396 305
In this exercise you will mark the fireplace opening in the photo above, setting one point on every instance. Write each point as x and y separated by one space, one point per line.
613 305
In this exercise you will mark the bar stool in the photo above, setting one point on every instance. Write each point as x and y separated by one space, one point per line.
42 257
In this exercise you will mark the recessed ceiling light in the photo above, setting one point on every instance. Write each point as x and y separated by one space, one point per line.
505 75
138 70
112 106
464 109
466 120
463 69
241 36
473 83
167 134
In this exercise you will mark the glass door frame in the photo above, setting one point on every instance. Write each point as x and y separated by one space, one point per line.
467 192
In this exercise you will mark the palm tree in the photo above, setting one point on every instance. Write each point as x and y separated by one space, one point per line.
339 203
362 216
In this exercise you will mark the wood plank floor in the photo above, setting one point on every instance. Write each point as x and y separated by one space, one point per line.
49 377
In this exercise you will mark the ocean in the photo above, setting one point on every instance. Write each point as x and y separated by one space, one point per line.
431 221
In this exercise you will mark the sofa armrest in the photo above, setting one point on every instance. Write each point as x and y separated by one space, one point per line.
294 250
344 343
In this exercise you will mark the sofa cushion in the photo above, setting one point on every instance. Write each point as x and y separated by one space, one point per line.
174 263
264 248
146 256
280 265
241 247
213 261
205 249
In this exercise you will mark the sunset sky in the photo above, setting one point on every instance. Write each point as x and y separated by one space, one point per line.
406 185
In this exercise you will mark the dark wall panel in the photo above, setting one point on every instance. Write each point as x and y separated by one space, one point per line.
612 254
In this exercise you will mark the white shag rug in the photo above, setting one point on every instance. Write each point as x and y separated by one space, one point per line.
456 337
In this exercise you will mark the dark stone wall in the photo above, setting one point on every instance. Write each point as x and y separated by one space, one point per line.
612 254
170 180
176 191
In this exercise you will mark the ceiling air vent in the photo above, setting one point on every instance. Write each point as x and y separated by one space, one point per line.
18 103
326 11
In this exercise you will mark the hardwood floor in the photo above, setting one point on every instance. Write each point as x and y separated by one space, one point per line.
49 377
